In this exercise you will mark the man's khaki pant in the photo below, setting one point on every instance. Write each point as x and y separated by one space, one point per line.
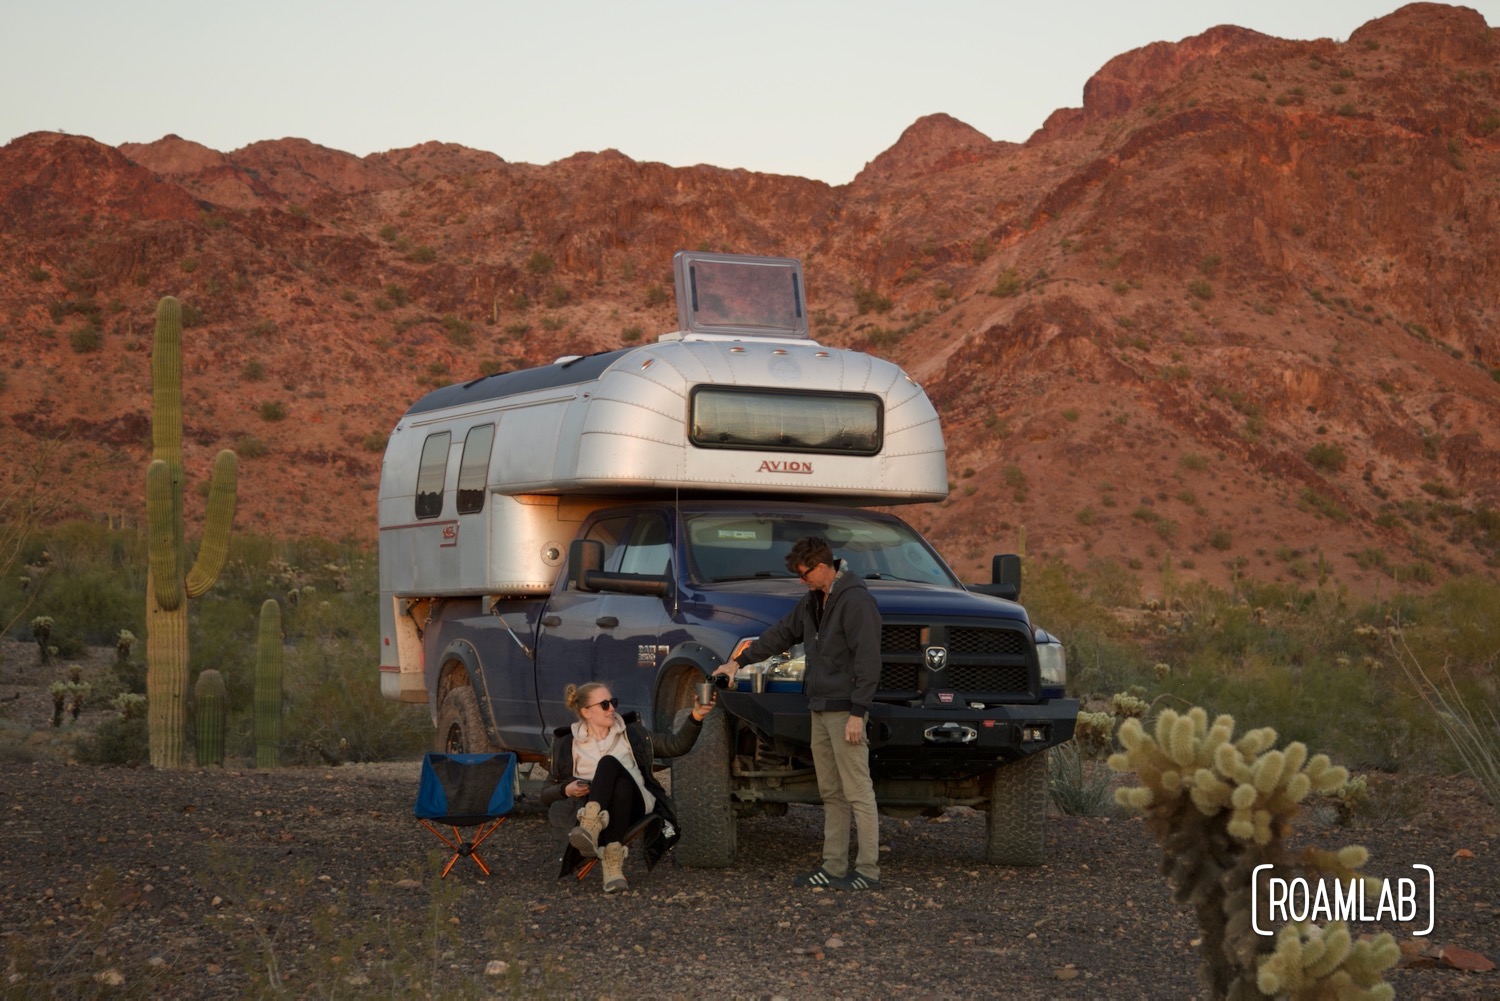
844 783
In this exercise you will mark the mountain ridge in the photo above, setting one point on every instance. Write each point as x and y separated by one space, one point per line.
1227 320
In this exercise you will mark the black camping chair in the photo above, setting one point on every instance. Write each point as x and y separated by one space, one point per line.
466 790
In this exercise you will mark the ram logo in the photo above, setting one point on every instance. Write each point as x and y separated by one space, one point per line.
936 657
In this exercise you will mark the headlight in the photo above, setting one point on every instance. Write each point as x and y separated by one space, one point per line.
1052 659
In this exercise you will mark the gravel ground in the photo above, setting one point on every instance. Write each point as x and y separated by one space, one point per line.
317 882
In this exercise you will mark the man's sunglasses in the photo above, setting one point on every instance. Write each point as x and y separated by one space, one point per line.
803 573
605 704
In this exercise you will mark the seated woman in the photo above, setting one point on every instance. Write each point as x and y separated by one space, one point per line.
601 775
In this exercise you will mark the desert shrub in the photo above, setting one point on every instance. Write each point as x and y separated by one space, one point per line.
272 411
540 264
247 446
422 255
867 300
254 370
86 339
374 441
1008 284
458 331
122 741
1326 457
656 295
1201 288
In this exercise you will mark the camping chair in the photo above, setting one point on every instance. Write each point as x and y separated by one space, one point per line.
465 790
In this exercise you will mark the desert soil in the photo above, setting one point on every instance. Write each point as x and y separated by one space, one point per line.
318 882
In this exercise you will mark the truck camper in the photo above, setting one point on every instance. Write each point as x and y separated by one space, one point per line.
623 517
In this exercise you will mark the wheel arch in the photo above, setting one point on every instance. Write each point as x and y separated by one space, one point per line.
684 666
459 667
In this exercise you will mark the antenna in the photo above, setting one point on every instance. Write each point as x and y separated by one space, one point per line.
677 522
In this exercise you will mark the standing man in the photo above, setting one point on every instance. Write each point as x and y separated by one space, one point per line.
839 626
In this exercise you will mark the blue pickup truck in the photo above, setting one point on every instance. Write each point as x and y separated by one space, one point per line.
623 517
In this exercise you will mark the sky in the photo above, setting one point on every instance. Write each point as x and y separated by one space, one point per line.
813 88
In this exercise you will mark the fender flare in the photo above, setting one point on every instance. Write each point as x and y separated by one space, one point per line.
690 652
447 677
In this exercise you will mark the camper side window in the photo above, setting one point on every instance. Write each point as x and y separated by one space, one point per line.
431 474
474 468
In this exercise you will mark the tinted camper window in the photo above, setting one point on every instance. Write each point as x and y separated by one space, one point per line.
431 474
767 420
474 468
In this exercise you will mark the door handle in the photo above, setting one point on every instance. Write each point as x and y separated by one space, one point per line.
551 620
607 621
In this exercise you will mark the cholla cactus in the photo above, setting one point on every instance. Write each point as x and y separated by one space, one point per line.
1220 808
41 631
1312 962
123 642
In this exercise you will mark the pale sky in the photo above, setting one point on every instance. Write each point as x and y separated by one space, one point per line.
814 88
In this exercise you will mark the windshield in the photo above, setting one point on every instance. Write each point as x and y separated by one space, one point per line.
746 546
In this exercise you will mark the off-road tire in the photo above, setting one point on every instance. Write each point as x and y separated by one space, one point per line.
700 790
1015 831
460 727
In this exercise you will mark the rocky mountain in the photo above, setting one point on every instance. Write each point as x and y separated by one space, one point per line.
1233 317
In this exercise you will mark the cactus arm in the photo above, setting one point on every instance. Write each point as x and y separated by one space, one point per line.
215 547
166 383
161 532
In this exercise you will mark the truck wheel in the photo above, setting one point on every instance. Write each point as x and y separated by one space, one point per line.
1015 831
700 789
460 728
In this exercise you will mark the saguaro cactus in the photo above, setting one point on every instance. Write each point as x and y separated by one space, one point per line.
268 686
210 698
168 584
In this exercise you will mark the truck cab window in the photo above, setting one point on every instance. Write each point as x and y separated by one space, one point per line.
474 468
610 532
431 474
648 551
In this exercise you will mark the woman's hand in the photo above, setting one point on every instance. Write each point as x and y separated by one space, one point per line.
701 710
577 789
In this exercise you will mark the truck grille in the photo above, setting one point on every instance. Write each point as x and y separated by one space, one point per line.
983 661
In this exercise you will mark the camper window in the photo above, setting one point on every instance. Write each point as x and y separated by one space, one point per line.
474 468
759 419
431 474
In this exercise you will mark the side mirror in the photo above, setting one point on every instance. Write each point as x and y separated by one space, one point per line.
584 556
1005 574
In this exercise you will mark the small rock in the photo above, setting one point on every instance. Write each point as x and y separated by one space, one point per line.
408 884
110 978
496 968
834 943
1066 973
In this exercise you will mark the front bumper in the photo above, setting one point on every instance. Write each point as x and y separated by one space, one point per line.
923 742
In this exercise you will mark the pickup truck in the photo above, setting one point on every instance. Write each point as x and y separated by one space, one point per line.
624 517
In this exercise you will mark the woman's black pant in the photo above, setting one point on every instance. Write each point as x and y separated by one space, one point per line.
615 790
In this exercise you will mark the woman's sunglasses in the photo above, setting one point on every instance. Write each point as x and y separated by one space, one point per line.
605 704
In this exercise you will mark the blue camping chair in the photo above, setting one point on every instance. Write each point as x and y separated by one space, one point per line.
465 790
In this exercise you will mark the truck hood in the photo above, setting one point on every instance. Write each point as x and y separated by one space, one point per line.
765 602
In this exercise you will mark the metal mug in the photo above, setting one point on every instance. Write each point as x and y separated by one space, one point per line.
758 682
706 693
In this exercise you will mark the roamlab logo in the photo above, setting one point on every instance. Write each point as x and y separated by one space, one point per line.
1277 900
